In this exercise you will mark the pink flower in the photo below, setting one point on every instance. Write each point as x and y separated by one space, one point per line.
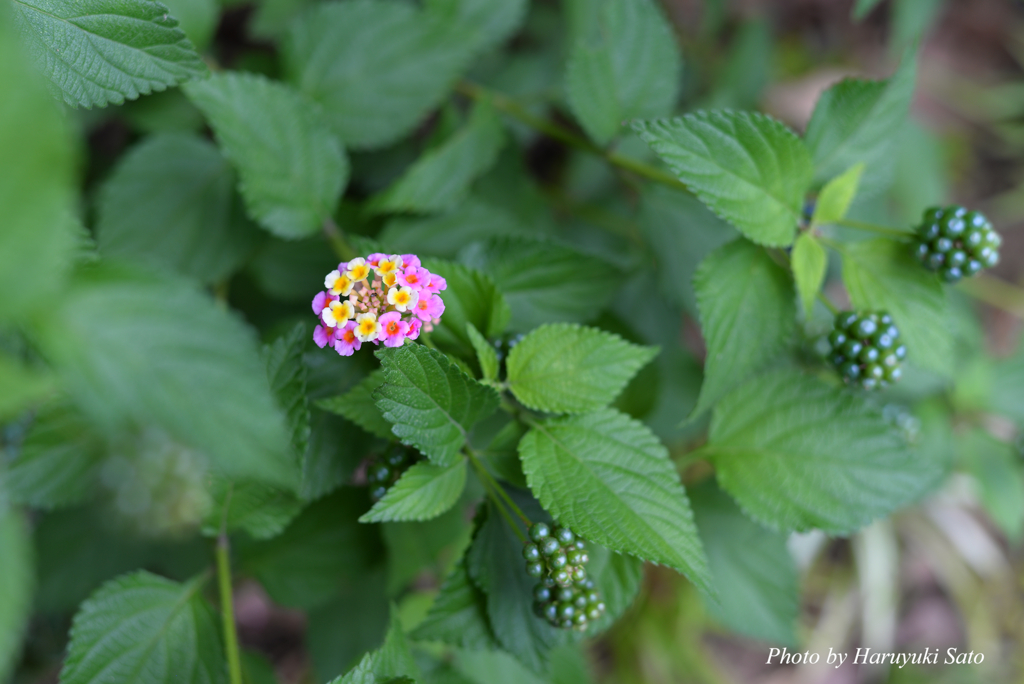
392 329
436 284
343 266
375 258
324 335
414 328
411 260
321 302
346 341
414 277
429 307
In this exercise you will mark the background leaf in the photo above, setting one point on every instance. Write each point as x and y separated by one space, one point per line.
171 203
358 406
634 501
836 196
746 167
996 469
882 275
747 308
458 615
423 492
810 262
564 368
430 401
811 457
471 297
489 22
16 585
259 509
291 168
629 66
376 67
146 629
486 355
101 51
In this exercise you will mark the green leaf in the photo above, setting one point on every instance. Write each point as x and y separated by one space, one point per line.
23 387
495 564
198 19
564 368
16 586
258 509
358 406
810 262
471 297
629 66
340 632
635 503
811 455
376 67
543 281
758 585
458 615
153 349
325 466
146 629
101 51
430 401
323 549
423 492
836 196
680 232
488 22
392 663
59 462
883 275
171 203
995 466
292 169
858 121
1007 393
287 375
485 353
440 179
618 577
747 310
36 237
746 167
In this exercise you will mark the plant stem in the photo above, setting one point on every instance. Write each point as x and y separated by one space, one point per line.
872 228
497 487
495 493
828 305
226 599
505 104
997 292
337 239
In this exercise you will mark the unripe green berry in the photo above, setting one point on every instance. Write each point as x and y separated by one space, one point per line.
836 339
564 536
539 532
535 569
868 355
541 593
561 577
850 370
852 348
566 610
865 328
580 619
531 552
565 594
558 561
549 547
579 574
845 320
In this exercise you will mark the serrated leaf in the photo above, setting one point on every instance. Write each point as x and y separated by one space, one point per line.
101 51
440 179
883 275
341 631
544 281
151 348
489 22
995 466
430 402
485 353
423 492
59 462
291 168
23 387
392 663
746 167
287 375
495 564
811 455
810 261
16 585
635 502
357 405
376 67
858 121
336 448
564 368
198 19
322 549
146 629
836 196
37 238
629 66
758 585
171 203
458 615
446 234
471 297
258 509
747 310
618 577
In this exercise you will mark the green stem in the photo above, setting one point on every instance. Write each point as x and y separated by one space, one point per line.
872 228
337 239
828 305
497 487
226 598
505 104
996 292
493 494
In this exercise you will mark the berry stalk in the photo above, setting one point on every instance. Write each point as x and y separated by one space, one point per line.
223 554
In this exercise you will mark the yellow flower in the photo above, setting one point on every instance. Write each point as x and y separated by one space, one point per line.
402 299
367 327
338 313
338 283
358 270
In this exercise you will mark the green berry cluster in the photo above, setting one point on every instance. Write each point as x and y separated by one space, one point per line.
955 242
384 470
866 348
565 597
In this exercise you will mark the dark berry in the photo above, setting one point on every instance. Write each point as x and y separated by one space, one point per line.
565 594
564 536
551 612
836 339
867 350
850 370
868 355
541 593
837 359
539 532
844 320
566 610
549 581
852 348
377 493
957 244
935 261
580 600
951 274
865 328
957 257
379 472
531 552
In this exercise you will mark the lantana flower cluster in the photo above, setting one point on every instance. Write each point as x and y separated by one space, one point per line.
387 298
